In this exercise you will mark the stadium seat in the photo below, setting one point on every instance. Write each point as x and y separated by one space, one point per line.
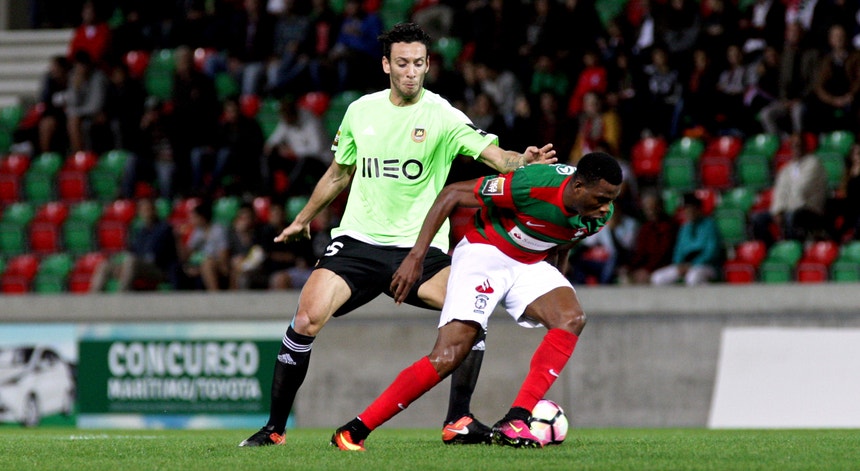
12 170
679 173
753 171
225 86
53 273
743 267
716 172
72 181
724 146
106 177
120 210
672 200
686 147
261 207
13 228
739 197
158 77
315 102
764 145
79 228
647 157
82 272
268 115
814 266
19 274
224 210
837 142
44 237
10 117
450 49
781 260
834 166
136 61
708 198
732 225
846 268
249 105
337 108
394 11
163 207
202 55
294 205
40 179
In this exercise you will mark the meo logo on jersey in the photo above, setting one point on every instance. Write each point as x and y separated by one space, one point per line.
493 186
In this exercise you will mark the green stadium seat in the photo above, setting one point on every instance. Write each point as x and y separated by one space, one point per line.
686 147
732 225
781 260
225 86
741 198
394 11
224 210
106 177
761 144
163 207
53 273
158 77
336 109
79 228
5 140
268 115
837 142
294 205
13 228
753 171
680 173
10 116
846 268
449 48
834 166
672 200
40 179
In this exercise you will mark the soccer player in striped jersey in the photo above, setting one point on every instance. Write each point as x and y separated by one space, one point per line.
395 147
524 216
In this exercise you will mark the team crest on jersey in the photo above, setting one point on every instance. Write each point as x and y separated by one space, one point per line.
563 169
493 186
336 139
580 233
419 134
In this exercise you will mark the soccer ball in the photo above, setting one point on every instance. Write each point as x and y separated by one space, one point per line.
548 422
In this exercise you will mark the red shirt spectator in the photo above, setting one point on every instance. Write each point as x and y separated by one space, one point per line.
92 36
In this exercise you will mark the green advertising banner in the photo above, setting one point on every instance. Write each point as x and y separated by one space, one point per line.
174 377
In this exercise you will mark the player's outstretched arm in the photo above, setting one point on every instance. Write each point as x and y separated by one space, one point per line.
452 196
505 161
335 179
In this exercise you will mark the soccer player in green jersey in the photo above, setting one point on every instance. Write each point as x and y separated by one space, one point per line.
396 147
523 216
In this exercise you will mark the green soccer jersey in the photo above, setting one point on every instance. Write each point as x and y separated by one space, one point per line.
402 155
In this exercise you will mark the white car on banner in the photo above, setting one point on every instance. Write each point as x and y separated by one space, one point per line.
34 382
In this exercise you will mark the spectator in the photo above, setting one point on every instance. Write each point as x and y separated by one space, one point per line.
763 24
154 157
617 242
591 79
596 128
826 14
655 241
485 115
245 240
796 69
678 28
850 212
356 51
731 86
763 88
91 37
500 83
124 107
85 102
835 86
130 35
720 22
236 148
700 94
52 124
799 195
206 255
697 255
297 148
253 39
150 259
287 266
662 95
291 60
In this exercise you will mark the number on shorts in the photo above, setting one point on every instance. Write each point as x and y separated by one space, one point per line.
333 248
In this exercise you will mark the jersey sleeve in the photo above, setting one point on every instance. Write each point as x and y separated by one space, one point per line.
464 138
343 145
496 190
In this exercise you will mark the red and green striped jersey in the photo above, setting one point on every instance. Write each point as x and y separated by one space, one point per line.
523 215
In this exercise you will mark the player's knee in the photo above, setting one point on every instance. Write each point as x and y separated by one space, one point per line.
571 321
306 323
446 358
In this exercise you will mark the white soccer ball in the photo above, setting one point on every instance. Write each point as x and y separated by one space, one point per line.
548 422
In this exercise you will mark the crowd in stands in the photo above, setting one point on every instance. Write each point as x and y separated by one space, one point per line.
239 99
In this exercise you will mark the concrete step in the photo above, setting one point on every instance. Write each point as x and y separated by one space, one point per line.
46 36
22 70
19 87
18 52
9 100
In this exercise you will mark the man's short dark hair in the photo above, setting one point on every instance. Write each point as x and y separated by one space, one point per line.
403 33
597 166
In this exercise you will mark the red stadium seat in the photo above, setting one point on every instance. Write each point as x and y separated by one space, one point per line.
742 268
81 161
708 198
249 105
716 172
12 170
647 157
724 146
19 274
72 185
136 61
315 102
15 164
814 267
82 272
261 207
120 210
111 235
44 237
54 212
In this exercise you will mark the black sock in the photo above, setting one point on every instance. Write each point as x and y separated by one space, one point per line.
291 368
357 430
463 381
517 413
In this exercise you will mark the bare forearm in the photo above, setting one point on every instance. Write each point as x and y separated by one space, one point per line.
332 183
452 196
508 161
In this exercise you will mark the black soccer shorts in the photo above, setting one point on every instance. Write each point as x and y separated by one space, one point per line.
368 270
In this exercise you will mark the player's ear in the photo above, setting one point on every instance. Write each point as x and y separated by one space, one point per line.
386 66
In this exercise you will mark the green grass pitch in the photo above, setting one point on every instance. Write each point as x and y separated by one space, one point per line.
60 448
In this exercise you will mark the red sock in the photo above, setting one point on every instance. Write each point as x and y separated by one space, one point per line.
410 384
549 359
